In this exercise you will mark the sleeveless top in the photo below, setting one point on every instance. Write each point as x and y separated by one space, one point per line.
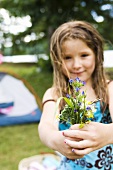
100 159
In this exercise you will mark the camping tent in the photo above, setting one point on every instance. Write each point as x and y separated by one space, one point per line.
19 102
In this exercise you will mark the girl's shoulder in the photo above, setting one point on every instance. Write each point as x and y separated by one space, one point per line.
110 89
110 83
49 95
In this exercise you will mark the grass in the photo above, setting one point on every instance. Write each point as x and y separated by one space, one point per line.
21 141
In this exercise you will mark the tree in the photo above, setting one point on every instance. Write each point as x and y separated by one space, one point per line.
47 15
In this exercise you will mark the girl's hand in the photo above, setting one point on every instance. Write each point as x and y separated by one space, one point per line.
64 148
93 136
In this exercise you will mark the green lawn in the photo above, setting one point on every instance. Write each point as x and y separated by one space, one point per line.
20 141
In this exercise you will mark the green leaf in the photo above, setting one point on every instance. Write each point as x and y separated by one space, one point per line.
68 101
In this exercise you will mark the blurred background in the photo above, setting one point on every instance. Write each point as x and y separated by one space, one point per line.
25 30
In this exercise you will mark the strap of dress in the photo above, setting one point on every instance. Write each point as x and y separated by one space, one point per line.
49 100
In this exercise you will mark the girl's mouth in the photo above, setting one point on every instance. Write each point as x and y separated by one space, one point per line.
77 73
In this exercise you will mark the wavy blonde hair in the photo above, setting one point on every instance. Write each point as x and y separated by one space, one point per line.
86 32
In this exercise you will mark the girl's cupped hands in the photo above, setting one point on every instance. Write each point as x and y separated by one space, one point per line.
91 137
64 148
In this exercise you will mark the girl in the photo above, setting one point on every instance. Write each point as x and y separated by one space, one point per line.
76 50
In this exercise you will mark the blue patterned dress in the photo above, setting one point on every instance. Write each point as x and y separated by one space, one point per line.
100 159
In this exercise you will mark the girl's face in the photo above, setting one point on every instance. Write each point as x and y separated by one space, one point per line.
79 60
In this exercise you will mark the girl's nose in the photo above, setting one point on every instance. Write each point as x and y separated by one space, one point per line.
76 63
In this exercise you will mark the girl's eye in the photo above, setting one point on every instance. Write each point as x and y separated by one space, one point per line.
84 55
67 57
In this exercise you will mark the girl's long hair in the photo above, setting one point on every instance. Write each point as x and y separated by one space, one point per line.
86 32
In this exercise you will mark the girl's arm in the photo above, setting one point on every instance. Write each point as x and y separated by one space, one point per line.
48 129
94 135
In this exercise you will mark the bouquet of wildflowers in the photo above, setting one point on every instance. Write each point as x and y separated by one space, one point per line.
77 109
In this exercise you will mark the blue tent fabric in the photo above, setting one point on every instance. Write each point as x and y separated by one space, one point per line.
14 120
18 103
5 105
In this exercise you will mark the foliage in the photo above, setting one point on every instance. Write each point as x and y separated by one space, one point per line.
45 65
46 16
109 72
